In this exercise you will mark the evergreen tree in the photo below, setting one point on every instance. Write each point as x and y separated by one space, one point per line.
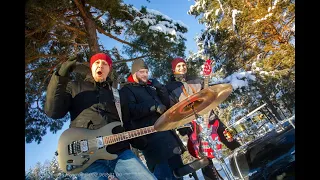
48 170
253 36
58 30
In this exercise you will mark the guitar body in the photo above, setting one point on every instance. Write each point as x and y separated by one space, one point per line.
84 159
196 148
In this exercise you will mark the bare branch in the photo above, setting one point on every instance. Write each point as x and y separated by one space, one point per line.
30 59
35 70
129 60
80 7
27 82
115 38
73 29
30 33
99 16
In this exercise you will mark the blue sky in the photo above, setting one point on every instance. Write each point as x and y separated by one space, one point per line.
176 10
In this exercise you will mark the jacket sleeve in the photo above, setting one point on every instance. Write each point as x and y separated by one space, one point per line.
164 96
172 98
58 97
137 110
138 142
125 113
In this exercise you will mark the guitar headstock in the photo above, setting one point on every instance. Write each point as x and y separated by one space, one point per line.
207 67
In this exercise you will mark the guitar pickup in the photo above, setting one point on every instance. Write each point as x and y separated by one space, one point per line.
77 147
84 147
99 141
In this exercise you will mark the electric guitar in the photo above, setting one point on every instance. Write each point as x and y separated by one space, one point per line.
196 146
78 148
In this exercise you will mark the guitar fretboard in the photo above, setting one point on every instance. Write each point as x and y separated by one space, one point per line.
206 115
204 148
111 139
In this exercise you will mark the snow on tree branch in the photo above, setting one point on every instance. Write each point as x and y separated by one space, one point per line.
234 13
238 79
166 25
269 13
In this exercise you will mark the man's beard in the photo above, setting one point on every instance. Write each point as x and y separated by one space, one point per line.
100 79
140 81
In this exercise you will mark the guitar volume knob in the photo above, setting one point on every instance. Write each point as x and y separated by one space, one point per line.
69 167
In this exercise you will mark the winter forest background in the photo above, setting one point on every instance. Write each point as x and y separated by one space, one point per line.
251 41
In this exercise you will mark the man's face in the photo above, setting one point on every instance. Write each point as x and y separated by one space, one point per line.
100 70
181 68
141 75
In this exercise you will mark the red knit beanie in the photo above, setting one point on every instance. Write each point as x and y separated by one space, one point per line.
101 56
175 61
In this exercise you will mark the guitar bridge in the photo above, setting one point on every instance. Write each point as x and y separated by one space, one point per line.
77 147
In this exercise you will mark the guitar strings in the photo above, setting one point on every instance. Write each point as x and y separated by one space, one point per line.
114 138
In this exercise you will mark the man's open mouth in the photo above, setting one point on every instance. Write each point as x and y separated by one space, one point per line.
99 73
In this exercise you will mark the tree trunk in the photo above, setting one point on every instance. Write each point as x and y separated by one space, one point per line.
93 41
90 26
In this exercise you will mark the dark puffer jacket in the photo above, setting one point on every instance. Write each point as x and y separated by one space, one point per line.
174 88
175 91
91 105
160 145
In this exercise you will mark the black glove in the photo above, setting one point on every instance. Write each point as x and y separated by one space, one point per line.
159 108
185 131
68 66
139 142
155 83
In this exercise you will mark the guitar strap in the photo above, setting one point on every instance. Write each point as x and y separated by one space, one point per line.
185 92
117 102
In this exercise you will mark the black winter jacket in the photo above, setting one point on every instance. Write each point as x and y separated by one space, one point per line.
90 104
160 145
175 91
174 87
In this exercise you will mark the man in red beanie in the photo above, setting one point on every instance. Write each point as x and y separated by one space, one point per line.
100 65
179 88
92 104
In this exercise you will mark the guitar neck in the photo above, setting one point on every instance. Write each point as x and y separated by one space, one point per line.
206 82
205 85
111 139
